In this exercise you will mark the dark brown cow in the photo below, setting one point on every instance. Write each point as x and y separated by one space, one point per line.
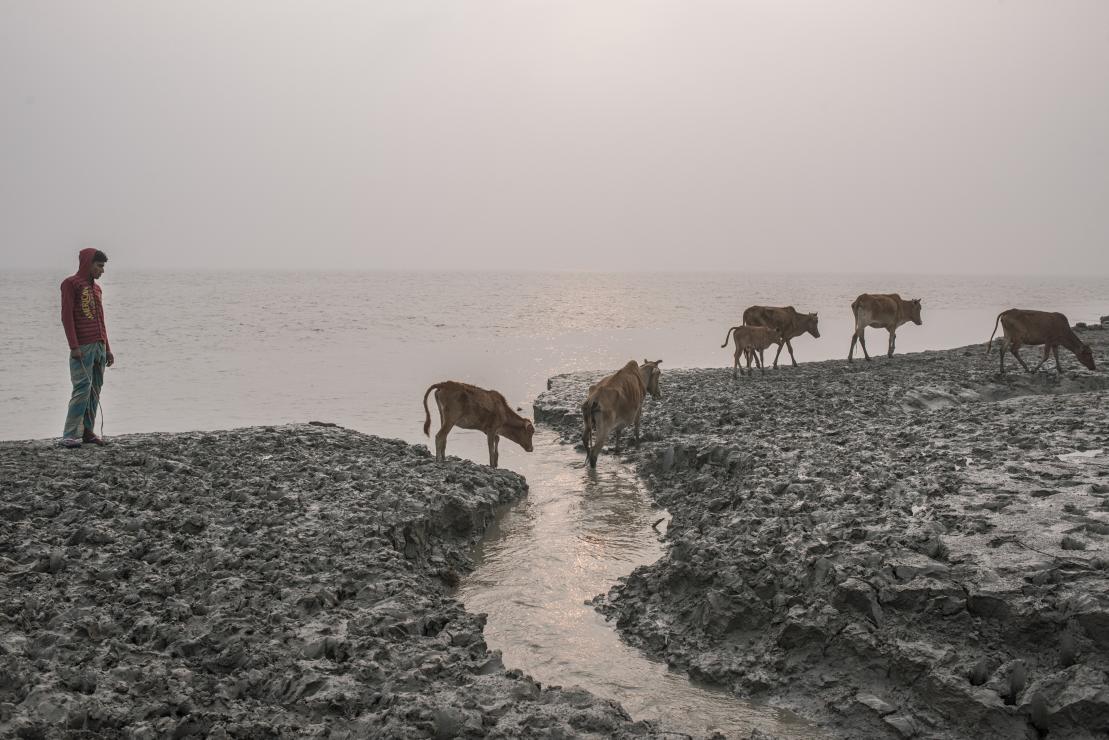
881 311
470 407
750 340
788 322
1020 327
615 402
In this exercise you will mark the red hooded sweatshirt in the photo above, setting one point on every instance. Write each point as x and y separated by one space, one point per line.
82 307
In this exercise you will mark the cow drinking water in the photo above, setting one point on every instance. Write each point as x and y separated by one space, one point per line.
1020 327
615 402
470 407
881 311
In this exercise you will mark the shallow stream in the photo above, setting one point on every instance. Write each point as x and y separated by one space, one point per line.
574 535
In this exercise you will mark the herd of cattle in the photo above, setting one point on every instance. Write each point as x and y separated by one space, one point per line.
616 401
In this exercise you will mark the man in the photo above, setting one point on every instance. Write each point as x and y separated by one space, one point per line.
89 351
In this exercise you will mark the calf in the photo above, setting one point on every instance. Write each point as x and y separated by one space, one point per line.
470 407
1020 327
614 402
748 341
881 311
788 322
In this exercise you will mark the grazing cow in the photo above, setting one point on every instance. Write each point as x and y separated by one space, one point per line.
614 402
1020 327
748 341
470 407
788 322
881 311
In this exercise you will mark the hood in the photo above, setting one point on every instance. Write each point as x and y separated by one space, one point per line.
84 265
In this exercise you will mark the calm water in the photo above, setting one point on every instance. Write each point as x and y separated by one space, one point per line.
221 350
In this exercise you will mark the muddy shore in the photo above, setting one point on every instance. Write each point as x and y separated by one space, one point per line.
912 547
275 581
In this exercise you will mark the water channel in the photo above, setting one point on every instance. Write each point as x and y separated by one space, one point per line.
574 535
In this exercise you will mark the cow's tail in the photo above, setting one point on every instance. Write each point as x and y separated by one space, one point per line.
729 336
589 418
989 344
427 414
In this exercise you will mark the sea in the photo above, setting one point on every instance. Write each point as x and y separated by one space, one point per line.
218 350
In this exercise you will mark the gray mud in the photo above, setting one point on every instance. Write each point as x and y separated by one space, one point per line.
289 581
912 547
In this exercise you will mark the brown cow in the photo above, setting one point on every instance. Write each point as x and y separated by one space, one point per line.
1020 327
614 402
788 322
748 341
470 407
881 311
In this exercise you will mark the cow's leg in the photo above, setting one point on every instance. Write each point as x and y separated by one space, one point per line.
1015 349
491 437
638 414
862 341
735 367
854 340
600 436
762 360
893 342
1004 349
441 442
791 357
1058 365
1047 354
779 354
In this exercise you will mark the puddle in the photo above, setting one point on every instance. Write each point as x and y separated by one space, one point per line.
1083 456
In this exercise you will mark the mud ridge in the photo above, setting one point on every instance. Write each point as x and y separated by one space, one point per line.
267 582
915 547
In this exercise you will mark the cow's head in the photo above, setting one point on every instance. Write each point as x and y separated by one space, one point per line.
914 310
526 435
1086 356
650 373
810 325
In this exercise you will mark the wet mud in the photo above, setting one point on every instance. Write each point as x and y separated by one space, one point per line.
268 582
915 547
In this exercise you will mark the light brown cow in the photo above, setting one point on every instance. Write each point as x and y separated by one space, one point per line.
788 322
615 402
1020 327
881 311
748 341
469 407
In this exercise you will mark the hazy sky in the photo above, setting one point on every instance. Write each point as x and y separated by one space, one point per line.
884 136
